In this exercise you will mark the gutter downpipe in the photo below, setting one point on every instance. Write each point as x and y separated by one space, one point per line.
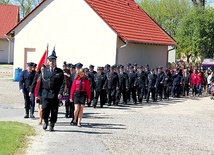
9 49
122 46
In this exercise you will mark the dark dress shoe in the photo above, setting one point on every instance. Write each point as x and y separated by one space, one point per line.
51 128
79 125
26 116
73 123
45 125
32 116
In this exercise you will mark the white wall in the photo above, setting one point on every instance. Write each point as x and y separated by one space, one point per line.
142 54
3 51
78 33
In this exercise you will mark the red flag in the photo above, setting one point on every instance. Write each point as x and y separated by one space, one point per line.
43 60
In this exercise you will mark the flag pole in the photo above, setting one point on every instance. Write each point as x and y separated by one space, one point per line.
47 54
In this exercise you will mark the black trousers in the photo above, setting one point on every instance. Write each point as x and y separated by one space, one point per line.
186 89
101 95
50 106
159 91
118 95
29 102
151 90
176 90
111 96
166 91
140 93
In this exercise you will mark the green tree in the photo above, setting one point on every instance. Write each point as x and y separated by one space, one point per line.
25 6
195 34
167 13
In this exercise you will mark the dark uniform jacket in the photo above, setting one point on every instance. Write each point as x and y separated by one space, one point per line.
51 84
112 80
100 80
26 80
91 80
160 78
132 79
152 80
141 79
177 78
123 81
167 80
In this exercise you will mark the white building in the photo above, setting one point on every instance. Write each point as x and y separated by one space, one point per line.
9 16
91 32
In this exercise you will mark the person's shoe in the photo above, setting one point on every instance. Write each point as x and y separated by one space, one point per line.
73 123
79 125
109 104
147 101
51 127
45 126
66 115
26 116
32 116
94 105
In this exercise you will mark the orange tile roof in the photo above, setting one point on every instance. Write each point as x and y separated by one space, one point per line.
130 22
9 16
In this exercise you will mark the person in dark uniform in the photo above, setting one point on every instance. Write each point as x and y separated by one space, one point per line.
132 84
159 83
51 89
100 79
166 84
72 75
111 84
107 68
123 85
25 82
186 82
141 83
91 81
135 67
147 72
152 77
127 68
92 73
177 81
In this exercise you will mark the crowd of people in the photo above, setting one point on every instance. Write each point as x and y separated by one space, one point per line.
111 84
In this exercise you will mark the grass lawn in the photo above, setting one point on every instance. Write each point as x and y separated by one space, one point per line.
14 137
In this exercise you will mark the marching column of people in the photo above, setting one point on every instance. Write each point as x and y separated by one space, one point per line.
109 85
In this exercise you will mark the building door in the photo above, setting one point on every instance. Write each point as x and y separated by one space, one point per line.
30 55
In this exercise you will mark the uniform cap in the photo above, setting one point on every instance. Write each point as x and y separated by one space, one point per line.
99 68
128 64
79 65
152 69
107 66
112 67
34 64
121 66
131 66
160 67
135 64
140 67
86 70
91 66
72 66
146 65
30 64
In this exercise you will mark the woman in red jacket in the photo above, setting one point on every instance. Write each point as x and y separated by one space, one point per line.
193 82
80 90
200 82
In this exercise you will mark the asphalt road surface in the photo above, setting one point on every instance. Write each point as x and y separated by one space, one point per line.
183 126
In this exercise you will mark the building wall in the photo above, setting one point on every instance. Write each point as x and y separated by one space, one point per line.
172 54
142 54
76 31
4 49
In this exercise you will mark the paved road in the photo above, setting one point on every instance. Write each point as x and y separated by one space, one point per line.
178 126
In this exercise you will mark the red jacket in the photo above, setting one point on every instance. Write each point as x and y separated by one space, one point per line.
199 79
85 87
194 79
